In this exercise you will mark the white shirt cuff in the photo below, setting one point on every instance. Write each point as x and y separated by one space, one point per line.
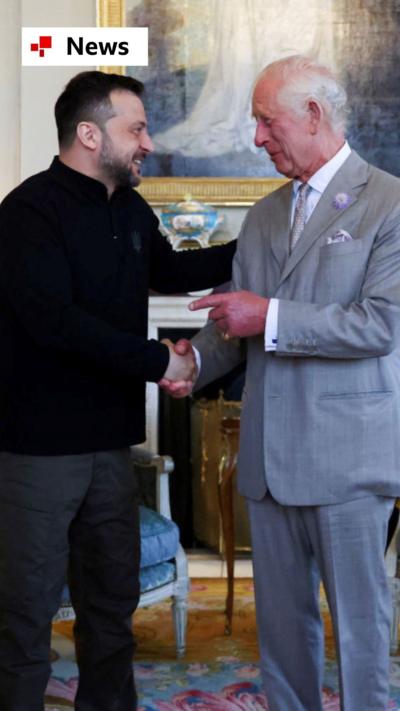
198 359
271 326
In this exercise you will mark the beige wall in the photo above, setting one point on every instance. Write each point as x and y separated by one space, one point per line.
27 95
9 95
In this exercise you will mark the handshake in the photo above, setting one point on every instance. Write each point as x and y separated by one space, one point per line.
236 314
182 372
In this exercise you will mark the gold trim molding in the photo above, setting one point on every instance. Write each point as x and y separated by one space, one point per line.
216 191
111 13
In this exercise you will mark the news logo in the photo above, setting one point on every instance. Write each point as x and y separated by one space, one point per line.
84 46
44 43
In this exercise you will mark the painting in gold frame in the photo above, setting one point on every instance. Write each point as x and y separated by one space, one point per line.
203 57
234 191
369 74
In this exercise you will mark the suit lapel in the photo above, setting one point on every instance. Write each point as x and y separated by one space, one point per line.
349 179
280 224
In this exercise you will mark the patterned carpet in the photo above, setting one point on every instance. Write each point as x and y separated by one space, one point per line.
219 673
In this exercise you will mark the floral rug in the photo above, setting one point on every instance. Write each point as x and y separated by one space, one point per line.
223 685
218 673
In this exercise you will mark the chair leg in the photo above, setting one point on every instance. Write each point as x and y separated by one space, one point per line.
179 601
179 611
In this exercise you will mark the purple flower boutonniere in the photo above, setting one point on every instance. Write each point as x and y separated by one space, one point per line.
342 200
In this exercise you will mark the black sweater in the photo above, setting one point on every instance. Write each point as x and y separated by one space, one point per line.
75 270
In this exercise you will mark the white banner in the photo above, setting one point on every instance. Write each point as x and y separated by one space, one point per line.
84 46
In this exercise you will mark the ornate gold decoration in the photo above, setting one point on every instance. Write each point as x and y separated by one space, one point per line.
111 13
216 191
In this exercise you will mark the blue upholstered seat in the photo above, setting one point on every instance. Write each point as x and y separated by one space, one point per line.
154 576
159 537
159 540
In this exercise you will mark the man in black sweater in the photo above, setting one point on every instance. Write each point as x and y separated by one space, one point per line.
79 250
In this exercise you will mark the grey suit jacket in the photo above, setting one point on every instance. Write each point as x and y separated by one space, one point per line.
321 417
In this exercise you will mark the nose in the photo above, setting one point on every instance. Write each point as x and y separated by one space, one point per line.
146 143
262 134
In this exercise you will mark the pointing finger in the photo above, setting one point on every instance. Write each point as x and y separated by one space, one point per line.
205 302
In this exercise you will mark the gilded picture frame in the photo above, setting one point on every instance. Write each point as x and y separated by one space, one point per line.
369 76
216 190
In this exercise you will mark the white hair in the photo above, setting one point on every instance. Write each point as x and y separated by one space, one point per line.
304 80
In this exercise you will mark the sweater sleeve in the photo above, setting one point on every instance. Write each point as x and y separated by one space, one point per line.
36 279
190 270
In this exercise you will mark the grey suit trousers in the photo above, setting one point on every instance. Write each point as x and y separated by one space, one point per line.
293 549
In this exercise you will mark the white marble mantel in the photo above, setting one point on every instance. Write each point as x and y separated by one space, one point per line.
166 312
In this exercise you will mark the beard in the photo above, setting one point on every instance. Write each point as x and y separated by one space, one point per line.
116 168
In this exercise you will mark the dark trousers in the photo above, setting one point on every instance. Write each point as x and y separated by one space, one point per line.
75 513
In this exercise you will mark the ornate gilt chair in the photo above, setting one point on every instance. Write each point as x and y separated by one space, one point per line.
163 567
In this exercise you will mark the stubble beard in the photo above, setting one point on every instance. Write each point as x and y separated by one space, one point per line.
115 168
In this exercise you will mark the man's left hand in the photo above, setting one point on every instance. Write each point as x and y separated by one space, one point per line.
236 314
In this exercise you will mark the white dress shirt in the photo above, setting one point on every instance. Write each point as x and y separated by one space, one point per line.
318 183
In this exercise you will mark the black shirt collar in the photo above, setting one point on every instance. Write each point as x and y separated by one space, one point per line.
81 184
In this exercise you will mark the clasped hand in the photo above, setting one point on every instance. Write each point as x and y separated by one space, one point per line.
181 374
236 314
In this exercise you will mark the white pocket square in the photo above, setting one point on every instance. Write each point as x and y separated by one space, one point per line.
340 236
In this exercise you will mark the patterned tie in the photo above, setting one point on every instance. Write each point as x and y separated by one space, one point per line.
299 218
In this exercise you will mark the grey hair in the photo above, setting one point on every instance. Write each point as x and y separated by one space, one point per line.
303 80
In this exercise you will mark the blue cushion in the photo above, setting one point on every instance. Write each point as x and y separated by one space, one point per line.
159 537
155 575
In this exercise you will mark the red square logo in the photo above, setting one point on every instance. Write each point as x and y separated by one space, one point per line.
45 42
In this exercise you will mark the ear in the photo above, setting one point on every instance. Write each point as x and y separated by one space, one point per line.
315 115
88 134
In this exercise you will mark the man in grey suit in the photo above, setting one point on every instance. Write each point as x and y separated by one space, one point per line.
315 308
